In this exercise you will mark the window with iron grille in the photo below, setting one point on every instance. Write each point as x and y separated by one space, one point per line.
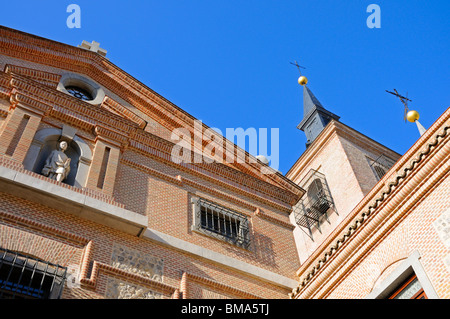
26 277
221 222
381 165
380 171
316 204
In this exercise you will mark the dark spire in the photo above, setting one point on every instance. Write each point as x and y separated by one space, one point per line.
315 116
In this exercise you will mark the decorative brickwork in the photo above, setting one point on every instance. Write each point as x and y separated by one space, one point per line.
130 187
394 219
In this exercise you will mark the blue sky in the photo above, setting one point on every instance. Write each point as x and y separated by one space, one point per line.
227 62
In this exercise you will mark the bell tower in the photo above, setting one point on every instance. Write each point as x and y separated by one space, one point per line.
338 168
315 116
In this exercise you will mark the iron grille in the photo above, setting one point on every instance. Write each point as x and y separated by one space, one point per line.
26 277
79 93
222 223
316 203
381 165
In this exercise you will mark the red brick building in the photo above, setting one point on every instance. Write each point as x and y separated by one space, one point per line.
126 221
373 224
351 218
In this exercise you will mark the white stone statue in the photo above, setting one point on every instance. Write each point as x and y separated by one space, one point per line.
57 165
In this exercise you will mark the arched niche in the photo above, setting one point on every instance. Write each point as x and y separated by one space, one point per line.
47 140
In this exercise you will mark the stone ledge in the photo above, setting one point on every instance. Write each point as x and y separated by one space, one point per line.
252 270
52 195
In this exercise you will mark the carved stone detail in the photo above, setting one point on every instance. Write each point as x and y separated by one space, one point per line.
116 289
137 262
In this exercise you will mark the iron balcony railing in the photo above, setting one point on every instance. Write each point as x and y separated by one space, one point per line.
316 204
310 211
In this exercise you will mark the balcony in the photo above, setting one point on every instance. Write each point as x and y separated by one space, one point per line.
316 205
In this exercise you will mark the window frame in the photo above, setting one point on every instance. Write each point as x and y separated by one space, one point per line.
84 83
417 295
28 277
410 266
220 216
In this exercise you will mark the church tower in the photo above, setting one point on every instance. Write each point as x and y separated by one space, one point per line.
338 168
315 116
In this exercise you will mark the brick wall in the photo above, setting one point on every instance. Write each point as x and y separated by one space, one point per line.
341 154
415 232
66 248
144 184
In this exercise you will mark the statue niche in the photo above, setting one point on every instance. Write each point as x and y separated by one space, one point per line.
58 160
57 164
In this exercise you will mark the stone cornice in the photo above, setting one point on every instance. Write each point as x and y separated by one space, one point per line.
47 52
124 133
424 161
342 130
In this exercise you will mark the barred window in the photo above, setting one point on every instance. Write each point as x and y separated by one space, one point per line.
381 165
26 277
379 171
221 223
313 209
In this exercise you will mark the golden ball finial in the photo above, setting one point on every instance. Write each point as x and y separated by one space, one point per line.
302 80
412 116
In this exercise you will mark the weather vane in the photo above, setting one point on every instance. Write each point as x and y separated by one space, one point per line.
302 80
404 100
412 116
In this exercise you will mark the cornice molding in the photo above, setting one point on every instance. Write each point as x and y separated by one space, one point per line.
47 52
337 128
124 133
46 78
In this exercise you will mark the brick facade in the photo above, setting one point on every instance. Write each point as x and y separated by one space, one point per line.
391 232
128 193
124 226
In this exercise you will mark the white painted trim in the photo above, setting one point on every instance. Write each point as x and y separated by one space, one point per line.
219 258
406 268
